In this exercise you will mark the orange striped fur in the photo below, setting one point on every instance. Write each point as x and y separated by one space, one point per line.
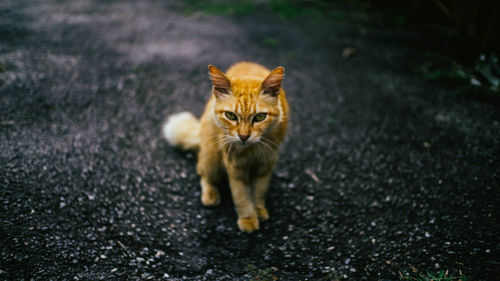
242 127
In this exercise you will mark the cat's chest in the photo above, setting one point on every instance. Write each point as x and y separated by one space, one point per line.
250 159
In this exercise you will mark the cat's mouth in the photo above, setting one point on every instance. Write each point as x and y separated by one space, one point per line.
244 140
244 143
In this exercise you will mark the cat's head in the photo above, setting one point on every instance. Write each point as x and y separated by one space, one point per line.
246 108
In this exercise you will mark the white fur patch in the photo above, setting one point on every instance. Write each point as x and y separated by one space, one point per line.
281 111
183 130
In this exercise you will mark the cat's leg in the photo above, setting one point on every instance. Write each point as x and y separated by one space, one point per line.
247 216
208 168
210 196
260 186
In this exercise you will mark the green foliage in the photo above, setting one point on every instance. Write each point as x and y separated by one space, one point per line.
454 15
271 42
475 20
138 69
285 9
266 274
440 67
336 15
489 70
453 72
293 9
221 7
485 74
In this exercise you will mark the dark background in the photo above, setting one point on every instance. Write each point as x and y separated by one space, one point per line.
390 169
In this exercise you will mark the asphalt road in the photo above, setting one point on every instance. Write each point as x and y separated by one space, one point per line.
382 173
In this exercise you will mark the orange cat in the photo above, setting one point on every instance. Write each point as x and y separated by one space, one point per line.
238 136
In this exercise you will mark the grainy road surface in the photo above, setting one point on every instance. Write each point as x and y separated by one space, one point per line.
383 172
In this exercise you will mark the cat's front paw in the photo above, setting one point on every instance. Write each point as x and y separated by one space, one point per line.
248 224
263 214
210 198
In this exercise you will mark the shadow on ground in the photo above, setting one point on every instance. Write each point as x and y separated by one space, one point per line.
407 171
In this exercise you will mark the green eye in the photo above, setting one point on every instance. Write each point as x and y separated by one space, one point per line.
231 116
259 117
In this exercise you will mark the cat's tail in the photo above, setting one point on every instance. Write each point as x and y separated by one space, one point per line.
182 130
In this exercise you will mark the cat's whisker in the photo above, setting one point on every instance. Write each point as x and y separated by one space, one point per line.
266 145
216 137
229 148
221 139
220 142
259 150
265 149
273 146
229 137
270 141
233 148
263 153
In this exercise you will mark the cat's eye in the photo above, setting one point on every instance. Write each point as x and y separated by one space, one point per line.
259 117
220 90
231 116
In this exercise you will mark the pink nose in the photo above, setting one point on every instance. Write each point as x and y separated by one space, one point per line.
243 138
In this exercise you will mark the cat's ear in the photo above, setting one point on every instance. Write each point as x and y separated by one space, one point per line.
272 84
221 84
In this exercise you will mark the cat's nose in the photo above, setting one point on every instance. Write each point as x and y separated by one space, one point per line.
243 138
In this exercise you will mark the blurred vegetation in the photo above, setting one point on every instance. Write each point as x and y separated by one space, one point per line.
463 34
471 29
220 7
266 274
271 42
476 20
